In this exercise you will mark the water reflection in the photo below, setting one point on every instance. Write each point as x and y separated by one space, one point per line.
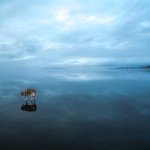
95 75
29 107
110 109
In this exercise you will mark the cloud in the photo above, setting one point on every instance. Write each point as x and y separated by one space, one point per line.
84 61
12 48
56 30
70 20
146 24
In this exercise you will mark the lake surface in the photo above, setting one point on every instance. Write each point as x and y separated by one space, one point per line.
77 109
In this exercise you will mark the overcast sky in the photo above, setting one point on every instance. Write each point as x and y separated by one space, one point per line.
54 32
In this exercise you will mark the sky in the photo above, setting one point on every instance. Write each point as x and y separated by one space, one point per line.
74 32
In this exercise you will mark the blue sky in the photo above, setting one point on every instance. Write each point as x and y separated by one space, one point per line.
77 32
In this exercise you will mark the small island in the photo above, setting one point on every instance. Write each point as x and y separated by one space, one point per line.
134 67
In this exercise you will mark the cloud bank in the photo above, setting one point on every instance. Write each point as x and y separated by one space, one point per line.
54 32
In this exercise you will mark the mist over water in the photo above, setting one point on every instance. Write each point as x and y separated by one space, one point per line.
77 108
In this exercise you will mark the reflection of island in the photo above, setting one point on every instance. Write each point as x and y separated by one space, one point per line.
29 107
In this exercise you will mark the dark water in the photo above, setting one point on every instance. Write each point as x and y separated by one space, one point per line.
90 109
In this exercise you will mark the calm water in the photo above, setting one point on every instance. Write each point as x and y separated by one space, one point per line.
84 108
